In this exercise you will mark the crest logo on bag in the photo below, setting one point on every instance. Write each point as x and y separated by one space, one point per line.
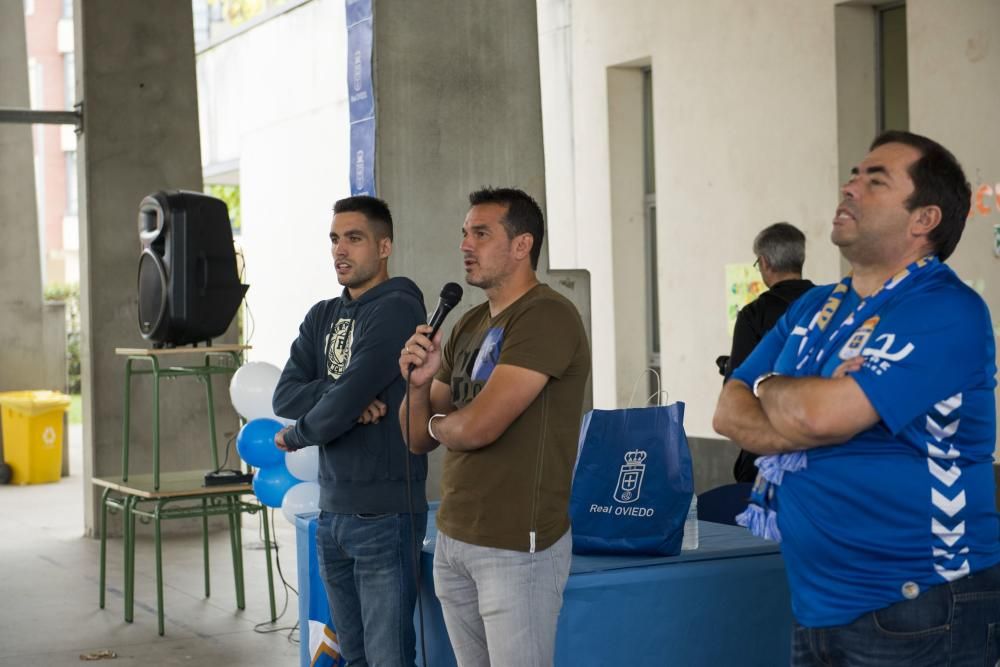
630 477
638 507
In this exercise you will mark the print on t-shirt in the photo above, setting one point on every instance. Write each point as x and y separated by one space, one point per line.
477 365
489 355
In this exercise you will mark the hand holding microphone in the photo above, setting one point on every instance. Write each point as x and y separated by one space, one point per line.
420 358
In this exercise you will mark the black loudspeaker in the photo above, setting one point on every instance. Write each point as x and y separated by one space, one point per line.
189 289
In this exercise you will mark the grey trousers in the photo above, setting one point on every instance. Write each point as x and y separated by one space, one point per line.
501 607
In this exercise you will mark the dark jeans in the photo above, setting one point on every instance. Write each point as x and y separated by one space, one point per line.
950 625
366 562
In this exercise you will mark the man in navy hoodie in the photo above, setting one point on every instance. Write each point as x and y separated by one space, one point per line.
342 386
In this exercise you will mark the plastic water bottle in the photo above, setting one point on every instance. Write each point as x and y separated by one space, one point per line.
690 540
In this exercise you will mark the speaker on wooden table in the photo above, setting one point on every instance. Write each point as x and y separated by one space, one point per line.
189 288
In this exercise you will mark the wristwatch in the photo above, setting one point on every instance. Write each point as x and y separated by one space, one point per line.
762 378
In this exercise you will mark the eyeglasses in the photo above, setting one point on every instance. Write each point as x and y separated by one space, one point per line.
756 263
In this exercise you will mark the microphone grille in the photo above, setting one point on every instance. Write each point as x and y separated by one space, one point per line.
451 293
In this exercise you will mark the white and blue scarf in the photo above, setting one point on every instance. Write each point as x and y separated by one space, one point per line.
761 515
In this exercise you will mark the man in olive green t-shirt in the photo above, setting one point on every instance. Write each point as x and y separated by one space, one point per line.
504 398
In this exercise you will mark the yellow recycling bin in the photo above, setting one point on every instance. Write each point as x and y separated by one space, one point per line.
33 434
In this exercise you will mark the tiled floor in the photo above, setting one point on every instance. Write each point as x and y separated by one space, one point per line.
49 614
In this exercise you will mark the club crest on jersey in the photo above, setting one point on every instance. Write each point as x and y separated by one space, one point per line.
858 339
338 347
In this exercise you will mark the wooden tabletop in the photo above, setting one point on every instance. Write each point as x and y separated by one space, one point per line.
169 351
172 485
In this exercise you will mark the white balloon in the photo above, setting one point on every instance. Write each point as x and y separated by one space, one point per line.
252 388
300 499
304 463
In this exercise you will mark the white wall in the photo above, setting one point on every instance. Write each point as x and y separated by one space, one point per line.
745 127
274 99
953 64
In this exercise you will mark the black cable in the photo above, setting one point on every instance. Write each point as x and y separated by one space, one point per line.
225 459
253 324
247 337
285 587
277 560
413 531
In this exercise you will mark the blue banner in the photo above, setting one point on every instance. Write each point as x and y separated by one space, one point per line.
363 157
359 70
358 10
361 96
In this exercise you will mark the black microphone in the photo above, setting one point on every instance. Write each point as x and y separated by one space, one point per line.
451 294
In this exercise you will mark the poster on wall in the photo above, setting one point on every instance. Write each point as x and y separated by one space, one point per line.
361 96
743 285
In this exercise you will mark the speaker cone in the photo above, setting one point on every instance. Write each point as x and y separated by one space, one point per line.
152 293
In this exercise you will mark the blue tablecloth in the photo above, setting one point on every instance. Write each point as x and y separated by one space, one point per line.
314 610
725 603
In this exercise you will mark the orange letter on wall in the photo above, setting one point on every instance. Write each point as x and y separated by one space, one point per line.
981 193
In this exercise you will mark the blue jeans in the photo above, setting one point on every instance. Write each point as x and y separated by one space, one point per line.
950 625
366 562
501 607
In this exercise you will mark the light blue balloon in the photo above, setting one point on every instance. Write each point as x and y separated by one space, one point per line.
270 484
255 443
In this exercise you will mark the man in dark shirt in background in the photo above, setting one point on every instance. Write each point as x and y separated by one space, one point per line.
781 251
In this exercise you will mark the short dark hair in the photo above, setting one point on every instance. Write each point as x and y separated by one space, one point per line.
523 215
938 180
783 246
374 209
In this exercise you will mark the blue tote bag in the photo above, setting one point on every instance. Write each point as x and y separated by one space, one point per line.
632 483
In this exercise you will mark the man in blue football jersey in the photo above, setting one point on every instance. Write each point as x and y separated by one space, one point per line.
872 405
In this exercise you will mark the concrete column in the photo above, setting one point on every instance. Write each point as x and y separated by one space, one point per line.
20 257
55 363
459 107
630 272
136 70
857 117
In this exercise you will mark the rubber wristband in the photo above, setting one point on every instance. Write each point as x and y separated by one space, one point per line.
430 421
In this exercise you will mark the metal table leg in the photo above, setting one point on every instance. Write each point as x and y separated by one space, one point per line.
159 567
126 418
104 541
207 379
156 423
267 551
236 544
204 544
129 539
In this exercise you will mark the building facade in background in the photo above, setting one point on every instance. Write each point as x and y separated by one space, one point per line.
52 83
